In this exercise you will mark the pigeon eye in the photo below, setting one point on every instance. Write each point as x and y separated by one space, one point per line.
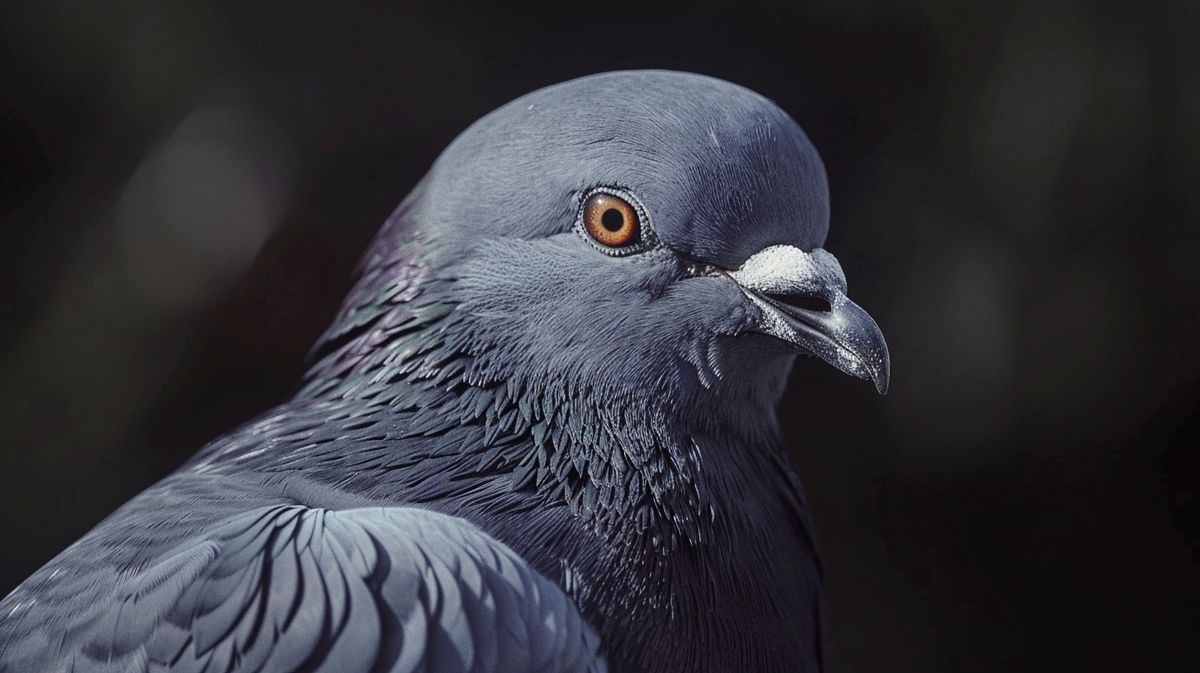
610 220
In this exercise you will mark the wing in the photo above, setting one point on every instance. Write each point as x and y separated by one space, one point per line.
289 588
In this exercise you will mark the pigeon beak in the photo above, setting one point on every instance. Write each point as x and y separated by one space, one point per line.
801 297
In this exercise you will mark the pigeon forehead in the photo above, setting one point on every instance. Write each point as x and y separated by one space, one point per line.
722 171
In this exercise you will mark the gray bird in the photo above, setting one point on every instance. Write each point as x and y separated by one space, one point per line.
540 434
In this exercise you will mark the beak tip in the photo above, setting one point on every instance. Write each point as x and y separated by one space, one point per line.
883 377
881 385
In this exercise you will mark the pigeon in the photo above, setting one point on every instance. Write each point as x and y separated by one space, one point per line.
540 434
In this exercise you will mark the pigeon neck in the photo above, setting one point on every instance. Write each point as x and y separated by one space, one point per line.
653 457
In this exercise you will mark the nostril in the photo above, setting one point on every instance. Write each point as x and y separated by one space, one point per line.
806 302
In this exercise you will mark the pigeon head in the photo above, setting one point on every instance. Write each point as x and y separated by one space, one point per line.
625 260
629 237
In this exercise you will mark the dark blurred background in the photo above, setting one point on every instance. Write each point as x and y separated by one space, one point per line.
185 190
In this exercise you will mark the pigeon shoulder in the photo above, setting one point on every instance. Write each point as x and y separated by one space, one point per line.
281 587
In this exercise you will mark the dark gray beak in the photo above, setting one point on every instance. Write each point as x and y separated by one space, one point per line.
801 297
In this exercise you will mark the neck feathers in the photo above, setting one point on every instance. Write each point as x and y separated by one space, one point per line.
655 461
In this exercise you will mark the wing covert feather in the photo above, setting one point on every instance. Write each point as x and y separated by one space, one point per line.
286 588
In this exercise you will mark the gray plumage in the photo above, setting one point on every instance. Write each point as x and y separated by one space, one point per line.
517 449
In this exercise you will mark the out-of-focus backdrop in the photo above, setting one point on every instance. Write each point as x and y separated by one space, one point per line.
185 189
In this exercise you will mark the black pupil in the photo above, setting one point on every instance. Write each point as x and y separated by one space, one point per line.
613 220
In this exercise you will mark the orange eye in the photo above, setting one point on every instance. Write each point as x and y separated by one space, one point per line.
611 220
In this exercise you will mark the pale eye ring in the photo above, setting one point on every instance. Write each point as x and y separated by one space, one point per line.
614 220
